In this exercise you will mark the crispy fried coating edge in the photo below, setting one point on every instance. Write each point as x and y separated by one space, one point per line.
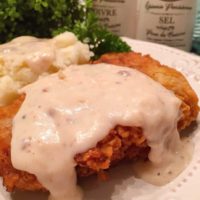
168 77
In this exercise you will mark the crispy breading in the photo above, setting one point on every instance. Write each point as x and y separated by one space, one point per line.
120 143
168 77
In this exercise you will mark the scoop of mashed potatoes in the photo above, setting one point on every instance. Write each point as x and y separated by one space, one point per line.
24 59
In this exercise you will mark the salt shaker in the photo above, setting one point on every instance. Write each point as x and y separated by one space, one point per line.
169 22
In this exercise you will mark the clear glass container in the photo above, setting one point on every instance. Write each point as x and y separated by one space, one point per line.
168 22
196 34
119 16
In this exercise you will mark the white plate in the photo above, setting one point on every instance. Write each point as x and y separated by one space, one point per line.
121 184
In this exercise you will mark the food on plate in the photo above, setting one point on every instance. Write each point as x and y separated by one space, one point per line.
24 59
89 118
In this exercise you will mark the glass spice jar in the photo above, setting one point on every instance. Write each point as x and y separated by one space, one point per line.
119 16
169 22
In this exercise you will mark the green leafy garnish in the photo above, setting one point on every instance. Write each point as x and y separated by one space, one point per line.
46 18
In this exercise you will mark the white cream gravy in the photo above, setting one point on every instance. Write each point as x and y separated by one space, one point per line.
69 112
41 54
165 172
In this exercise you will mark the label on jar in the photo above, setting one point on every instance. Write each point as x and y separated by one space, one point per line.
167 22
119 16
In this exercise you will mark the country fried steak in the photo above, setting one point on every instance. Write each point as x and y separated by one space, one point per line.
120 143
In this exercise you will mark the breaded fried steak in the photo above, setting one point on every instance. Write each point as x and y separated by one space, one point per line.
168 77
121 142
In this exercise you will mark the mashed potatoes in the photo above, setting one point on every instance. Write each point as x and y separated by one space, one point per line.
25 59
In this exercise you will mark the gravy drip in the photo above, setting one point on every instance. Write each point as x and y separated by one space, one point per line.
69 112
165 172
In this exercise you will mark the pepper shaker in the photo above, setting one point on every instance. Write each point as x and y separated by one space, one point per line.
119 16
